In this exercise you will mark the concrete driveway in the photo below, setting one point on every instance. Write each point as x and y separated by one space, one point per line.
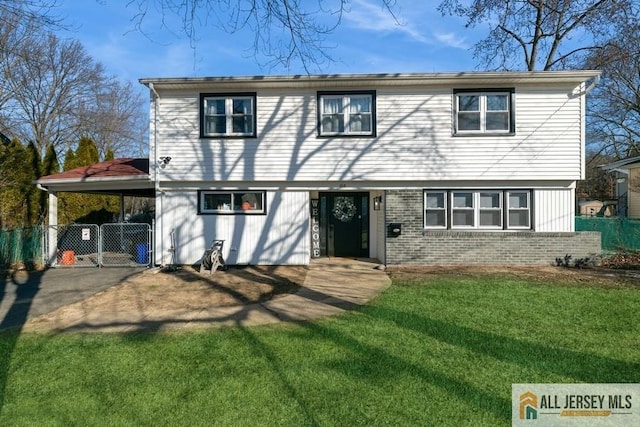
27 294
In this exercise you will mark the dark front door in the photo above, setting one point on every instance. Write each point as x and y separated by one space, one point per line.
347 219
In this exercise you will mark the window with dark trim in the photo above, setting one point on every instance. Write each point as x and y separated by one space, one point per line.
350 113
232 202
478 209
486 111
227 115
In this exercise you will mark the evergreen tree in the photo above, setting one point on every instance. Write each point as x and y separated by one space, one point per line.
50 164
33 208
87 153
14 174
85 207
69 160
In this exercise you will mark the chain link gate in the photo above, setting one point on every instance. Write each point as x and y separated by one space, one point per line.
110 245
77 245
125 245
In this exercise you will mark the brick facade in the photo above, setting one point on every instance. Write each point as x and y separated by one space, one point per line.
446 247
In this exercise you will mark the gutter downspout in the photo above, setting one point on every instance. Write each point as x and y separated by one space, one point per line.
155 136
157 225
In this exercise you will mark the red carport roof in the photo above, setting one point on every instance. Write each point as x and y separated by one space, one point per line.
125 167
129 176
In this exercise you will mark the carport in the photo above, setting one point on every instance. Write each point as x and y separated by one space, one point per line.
122 177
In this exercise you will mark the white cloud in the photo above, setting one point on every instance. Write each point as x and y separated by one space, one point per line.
414 20
452 40
373 17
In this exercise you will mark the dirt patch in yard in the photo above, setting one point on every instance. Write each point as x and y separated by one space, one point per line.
149 294
188 288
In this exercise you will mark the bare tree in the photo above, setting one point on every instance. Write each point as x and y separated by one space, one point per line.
614 105
16 26
41 12
51 79
285 31
539 34
113 117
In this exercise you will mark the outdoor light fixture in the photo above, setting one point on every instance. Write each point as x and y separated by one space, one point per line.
164 160
377 201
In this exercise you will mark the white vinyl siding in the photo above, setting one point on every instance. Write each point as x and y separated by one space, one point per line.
554 209
414 141
279 237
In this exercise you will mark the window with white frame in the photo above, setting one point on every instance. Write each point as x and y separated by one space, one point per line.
231 202
477 209
463 206
435 209
350 114
228 115
484 112
490 209
519 211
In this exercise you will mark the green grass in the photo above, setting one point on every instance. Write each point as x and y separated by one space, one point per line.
442 351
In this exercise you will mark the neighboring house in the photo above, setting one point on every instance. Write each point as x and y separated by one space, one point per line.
627 172
451 168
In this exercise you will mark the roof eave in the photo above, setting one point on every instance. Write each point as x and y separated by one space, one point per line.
399 79
101 180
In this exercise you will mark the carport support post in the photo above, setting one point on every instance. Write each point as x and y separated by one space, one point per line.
121 207
52 230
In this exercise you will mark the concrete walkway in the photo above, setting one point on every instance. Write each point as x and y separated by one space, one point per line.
332 286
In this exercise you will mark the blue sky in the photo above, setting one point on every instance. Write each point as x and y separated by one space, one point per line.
368 41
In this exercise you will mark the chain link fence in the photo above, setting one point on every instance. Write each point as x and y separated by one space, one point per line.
108 245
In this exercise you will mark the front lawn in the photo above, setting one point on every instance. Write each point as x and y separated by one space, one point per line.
442 350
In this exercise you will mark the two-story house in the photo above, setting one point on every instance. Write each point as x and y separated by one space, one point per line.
451 168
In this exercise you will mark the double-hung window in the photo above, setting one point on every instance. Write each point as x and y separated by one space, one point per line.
477 209
231 202
435 209
228 115
484 112
348 114
519 210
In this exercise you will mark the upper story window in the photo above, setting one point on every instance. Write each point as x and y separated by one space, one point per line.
227 115
346 113
484 111
474 209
